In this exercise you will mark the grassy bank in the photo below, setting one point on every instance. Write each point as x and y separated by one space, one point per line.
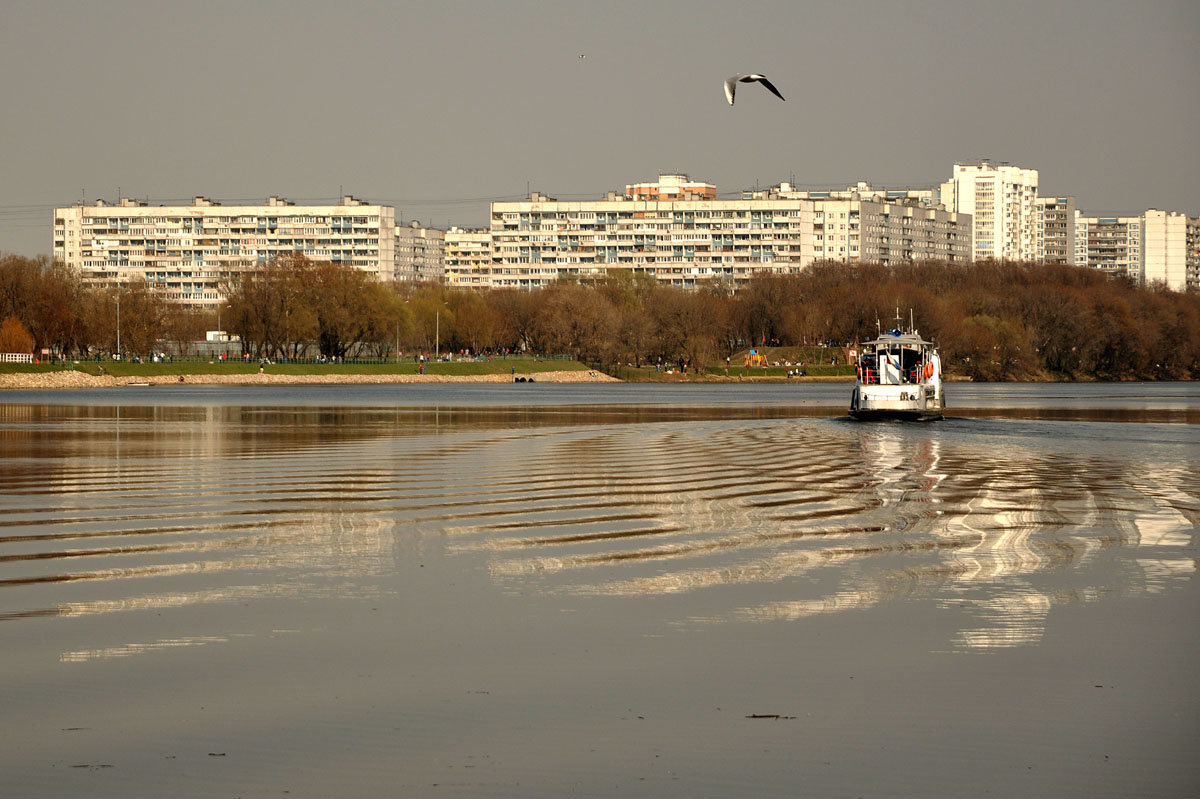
826 363
716 374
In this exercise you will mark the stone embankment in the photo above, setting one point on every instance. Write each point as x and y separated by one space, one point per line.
72 379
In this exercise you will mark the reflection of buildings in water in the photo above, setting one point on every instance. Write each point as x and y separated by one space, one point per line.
315 554
130 649
1159 573
1030 514
1002 533
1007 517
975 527
1015 617
295 554
1013 612
884 512
901 467
761 504
1165 527
681 495
164 600
256 503
792 611
94 450
13 414
1027 513
126 650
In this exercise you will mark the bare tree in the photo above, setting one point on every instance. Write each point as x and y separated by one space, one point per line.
14 337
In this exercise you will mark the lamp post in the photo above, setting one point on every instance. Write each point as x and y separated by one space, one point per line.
437 334
118 323
400 312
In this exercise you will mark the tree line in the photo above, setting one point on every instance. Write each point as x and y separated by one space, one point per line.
992 320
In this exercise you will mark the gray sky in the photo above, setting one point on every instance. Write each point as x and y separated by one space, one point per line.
438 107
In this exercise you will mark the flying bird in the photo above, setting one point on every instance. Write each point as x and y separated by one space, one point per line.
731 85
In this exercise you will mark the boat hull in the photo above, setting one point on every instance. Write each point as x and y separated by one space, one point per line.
896 415
903 404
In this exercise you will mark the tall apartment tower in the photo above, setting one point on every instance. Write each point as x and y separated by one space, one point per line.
1192 259
469 257
1002 201
1081 239
1164 249
1157 247
1113 244
1056 229
419 253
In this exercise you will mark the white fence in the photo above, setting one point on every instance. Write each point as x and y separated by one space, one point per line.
16 357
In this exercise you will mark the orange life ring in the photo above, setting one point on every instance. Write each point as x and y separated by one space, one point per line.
928 371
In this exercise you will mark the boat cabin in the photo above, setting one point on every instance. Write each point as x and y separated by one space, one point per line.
895 359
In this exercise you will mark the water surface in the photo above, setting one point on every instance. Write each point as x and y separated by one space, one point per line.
481 590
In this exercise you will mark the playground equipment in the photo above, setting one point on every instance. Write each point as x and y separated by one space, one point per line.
754 359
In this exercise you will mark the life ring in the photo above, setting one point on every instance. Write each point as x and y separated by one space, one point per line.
928 370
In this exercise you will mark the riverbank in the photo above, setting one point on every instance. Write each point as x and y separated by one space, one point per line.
75 379
69 379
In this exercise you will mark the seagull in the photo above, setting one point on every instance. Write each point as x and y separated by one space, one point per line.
731 85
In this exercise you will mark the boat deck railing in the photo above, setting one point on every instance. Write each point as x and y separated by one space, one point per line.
872 377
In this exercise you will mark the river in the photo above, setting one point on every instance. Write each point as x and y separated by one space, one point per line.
645 590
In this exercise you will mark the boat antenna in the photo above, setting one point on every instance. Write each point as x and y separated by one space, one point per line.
911 325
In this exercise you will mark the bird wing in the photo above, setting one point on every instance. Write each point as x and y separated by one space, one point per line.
730 88
763 80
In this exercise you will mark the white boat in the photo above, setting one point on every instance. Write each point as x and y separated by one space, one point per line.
899 377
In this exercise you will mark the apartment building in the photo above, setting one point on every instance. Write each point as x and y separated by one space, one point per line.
1164 249
681 242
188 251
671 187
884 226
468 258
1081 238
1002 201
1192 259
1056 230
676 230
865 191
1113 244
1157 247
420 253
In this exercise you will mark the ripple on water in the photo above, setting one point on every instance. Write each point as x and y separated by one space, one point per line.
782 518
